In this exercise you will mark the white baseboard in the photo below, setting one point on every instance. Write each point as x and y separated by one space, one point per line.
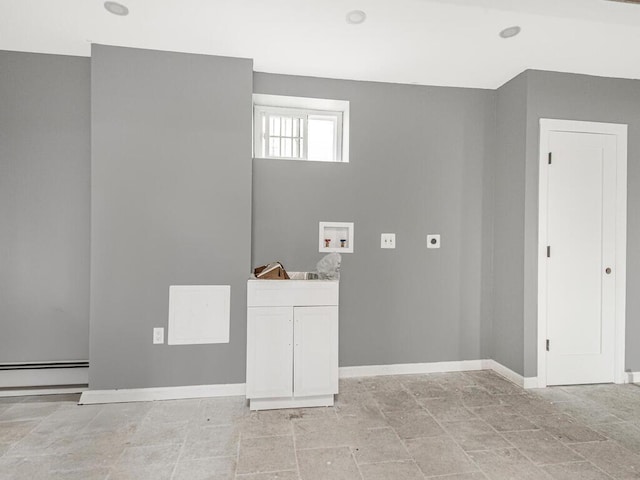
161 393
634 377
439 367
410 368
43 377
239 389
524 382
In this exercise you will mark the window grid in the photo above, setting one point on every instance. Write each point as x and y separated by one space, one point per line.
285 136
284 132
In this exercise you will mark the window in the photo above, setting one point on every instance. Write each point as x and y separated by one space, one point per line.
298 128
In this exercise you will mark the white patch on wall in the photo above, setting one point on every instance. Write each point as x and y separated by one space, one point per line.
199 314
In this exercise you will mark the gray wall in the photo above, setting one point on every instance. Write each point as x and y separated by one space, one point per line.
418 165
171 205
44 207
582 97
508 224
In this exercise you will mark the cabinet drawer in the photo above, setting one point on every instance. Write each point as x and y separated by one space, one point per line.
277 293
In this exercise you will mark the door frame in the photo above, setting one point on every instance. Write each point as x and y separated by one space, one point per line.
620 132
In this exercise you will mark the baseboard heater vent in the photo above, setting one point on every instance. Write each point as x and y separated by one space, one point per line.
43 365
44 374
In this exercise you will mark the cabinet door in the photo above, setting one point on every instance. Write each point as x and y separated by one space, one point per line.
269 352
315 351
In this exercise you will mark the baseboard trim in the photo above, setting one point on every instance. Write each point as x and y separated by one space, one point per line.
410 368
634 377
439 367
521 381
43 377
161 393
239 389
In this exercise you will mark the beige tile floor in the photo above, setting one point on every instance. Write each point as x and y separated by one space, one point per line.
457 426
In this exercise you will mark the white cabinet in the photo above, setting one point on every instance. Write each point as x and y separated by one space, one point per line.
270 334
315 353
292 343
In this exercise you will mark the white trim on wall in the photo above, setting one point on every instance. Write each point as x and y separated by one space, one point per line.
633 377
620 131
524 382
411 368
239 389
161 393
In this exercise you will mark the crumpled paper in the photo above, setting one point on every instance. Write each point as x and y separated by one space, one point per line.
328 267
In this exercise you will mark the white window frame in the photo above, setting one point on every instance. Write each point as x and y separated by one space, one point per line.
301 107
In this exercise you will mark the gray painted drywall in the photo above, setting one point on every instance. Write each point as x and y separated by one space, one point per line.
508 223
417 166
582 97
171 153
44 207
171 205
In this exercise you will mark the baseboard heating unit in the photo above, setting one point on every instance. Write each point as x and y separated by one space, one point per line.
51 377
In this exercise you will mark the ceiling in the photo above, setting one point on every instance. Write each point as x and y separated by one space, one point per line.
428 42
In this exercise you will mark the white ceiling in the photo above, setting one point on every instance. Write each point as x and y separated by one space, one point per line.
429 42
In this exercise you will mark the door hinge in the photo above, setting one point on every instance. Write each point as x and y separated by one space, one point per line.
550 156
548 344
548 251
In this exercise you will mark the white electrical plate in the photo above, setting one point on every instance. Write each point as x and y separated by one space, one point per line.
388 240
433 241
199 314
158 335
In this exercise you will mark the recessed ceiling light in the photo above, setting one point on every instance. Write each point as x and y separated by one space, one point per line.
510 32
116 8
356 17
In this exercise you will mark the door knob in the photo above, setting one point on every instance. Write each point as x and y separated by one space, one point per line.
608 271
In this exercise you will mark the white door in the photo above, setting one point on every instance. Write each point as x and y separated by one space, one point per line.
315 351
581 256
269 352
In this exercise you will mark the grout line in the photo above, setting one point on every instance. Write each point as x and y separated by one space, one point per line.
385 462
295 449
252 475
353 458
595 442
175 466
184 442
368 396
501 433
340 445
240 437
586 460
446 434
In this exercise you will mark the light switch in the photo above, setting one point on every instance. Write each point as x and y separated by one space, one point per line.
433 241
388 240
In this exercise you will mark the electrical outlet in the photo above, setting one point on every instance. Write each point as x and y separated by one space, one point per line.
158 335
388 240
433 241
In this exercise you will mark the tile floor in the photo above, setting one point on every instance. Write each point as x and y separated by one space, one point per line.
457 426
